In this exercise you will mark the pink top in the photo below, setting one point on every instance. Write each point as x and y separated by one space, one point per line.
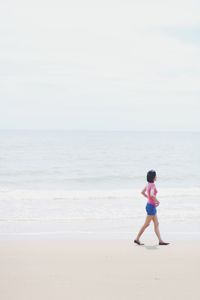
151 191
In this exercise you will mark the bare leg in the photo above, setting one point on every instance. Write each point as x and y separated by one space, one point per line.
146 224
156 228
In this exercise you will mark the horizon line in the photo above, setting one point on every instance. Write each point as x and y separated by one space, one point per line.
100 130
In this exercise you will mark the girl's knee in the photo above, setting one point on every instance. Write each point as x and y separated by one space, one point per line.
156 225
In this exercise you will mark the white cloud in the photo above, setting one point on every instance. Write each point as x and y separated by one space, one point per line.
77 55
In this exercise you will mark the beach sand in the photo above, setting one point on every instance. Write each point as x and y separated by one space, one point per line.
98 269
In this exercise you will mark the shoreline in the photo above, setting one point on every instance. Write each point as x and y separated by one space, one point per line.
94 236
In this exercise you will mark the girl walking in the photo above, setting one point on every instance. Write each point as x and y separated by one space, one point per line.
150 192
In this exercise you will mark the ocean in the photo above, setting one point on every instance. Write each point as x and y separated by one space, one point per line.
86 184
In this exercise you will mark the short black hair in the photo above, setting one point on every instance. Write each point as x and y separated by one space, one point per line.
151 175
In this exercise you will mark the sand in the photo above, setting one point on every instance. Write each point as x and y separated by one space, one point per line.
98 269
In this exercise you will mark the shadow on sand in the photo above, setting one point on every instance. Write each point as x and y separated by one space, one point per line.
153 247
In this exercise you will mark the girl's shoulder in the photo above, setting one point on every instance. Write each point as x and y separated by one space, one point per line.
151 184
154 187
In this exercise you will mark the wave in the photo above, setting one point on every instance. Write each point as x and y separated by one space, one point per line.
58 193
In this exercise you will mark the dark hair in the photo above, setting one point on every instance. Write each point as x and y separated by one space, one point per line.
151 176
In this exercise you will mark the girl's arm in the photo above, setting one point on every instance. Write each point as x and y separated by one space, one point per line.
154 197
143 192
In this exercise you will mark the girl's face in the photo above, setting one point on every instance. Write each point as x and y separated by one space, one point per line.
155 178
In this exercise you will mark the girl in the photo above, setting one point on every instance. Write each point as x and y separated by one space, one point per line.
150 192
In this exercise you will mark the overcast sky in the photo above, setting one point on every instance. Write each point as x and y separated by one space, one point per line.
109 64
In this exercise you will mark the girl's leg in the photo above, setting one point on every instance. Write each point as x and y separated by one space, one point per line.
146 224
156 228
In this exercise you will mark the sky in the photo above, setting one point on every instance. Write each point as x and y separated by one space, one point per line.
100 65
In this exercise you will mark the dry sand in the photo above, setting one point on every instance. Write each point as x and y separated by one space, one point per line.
98 269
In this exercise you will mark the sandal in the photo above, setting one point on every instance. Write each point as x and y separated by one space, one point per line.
138 243
163 243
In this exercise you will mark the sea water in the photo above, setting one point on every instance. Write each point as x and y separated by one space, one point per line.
87 184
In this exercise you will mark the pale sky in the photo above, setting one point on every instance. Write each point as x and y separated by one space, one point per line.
110 64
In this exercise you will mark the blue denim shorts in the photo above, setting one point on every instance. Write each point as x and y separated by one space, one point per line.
151 209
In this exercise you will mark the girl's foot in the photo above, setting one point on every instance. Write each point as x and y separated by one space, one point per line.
163 243
138 242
